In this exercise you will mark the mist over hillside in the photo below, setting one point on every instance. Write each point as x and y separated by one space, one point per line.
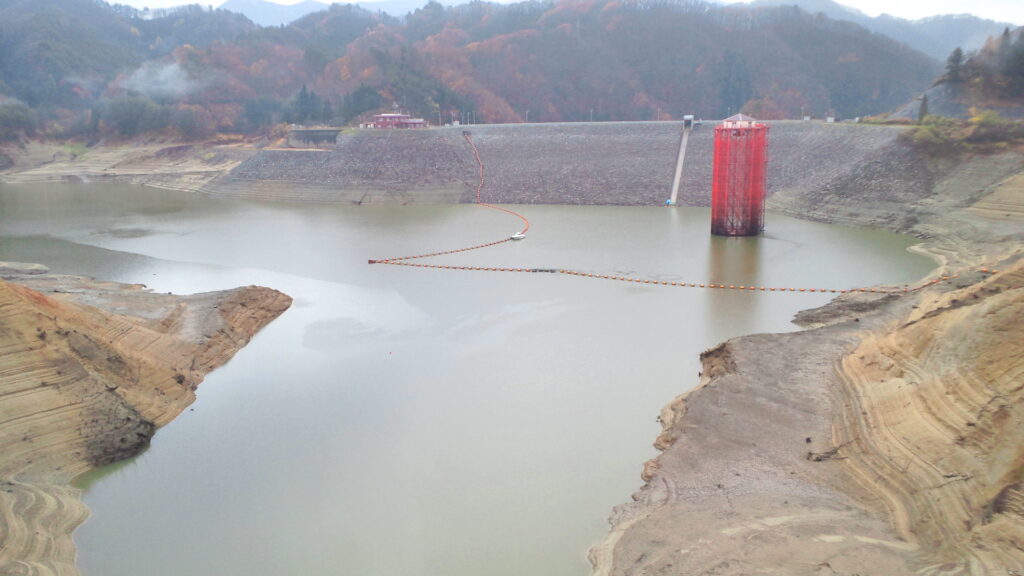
935 36
65 53
266 13
84 66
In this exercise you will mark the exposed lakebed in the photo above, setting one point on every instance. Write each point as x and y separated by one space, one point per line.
408 421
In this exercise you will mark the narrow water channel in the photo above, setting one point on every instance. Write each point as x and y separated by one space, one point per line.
402 421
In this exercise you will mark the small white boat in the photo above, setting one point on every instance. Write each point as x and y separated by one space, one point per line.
518 236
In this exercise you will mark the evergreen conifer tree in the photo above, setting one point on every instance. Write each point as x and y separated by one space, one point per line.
954 66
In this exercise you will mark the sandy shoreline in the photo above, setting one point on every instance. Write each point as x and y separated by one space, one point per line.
884 439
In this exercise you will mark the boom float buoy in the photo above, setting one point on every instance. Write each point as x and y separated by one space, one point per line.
521 234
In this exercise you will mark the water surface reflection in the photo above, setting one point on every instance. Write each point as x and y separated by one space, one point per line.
401 421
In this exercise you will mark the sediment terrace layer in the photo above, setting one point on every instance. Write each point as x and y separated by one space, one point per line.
906 457
889 439
186 167
88 371
575 163
932 425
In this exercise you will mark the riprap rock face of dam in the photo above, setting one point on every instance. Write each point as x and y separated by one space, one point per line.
615 163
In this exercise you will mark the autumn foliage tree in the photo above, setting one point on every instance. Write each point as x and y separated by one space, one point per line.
561 60
995 72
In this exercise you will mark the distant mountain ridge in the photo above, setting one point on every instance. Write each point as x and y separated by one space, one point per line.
936 36
115 69
266 13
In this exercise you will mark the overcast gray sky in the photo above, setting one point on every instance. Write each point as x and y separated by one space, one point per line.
1000 10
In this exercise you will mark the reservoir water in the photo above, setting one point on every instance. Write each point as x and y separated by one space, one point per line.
400 421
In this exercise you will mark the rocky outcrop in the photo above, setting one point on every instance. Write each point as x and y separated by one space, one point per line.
88 371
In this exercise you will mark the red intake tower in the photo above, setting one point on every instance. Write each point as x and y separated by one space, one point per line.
738 179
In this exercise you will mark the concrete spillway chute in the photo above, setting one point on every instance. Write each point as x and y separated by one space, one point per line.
678 178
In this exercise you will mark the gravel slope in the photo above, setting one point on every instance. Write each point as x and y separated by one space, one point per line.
627 163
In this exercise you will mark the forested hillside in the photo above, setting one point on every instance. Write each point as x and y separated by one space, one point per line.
996 72
114 70
64 53
981 86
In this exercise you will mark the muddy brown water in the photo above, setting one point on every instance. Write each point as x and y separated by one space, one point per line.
401 421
